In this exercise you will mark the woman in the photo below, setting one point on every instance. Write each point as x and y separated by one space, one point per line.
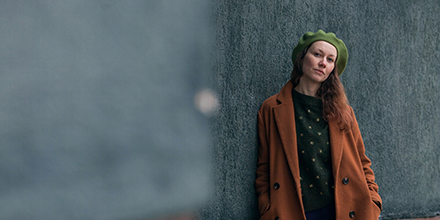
312 162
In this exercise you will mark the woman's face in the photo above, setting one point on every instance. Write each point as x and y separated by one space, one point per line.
318 62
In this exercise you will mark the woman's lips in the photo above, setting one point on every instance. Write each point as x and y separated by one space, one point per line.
319 71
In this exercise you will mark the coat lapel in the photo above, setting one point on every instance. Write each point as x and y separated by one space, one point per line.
285 122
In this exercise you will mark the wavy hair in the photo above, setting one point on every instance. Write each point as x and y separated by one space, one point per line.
331 92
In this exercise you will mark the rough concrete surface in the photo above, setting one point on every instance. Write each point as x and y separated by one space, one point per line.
392 81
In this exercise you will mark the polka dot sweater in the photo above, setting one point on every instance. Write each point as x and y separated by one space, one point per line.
313 152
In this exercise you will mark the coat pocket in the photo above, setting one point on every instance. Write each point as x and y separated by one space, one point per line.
266 209
266 215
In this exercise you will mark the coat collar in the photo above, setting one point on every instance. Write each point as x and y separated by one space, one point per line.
285 121
285 95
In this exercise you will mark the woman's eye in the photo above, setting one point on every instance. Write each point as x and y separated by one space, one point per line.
330 60
317 54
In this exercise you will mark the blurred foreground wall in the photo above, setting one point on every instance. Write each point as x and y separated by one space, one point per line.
392 80
103 109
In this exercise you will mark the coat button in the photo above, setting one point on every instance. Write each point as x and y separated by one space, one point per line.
352 214
345 181
276 186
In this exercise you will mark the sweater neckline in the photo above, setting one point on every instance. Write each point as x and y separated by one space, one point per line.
305 99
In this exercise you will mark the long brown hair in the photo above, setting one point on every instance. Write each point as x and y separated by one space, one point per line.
331 92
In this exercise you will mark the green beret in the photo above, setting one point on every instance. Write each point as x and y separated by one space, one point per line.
309 37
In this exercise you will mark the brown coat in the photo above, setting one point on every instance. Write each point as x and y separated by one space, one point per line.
278 184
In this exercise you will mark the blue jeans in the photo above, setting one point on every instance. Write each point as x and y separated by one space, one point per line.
326 213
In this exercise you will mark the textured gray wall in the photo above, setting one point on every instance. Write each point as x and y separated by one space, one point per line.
392 80
97 114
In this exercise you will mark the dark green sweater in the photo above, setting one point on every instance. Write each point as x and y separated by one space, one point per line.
313 152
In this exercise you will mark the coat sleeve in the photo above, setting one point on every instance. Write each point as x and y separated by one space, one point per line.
366 163
262 180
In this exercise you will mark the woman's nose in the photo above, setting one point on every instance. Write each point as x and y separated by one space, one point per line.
323 63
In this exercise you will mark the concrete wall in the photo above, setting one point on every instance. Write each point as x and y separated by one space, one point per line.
392 80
